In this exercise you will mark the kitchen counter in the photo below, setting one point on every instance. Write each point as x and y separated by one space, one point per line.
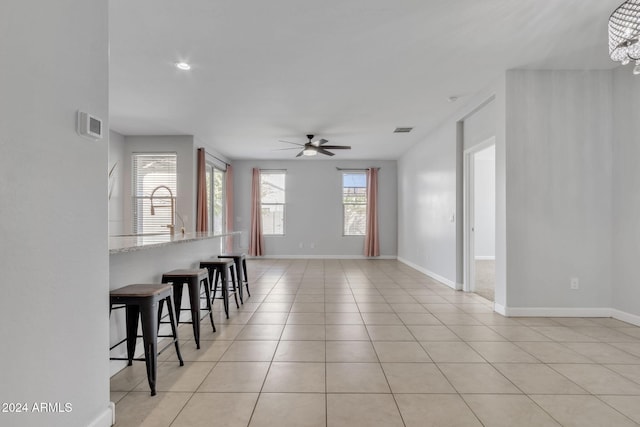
132 242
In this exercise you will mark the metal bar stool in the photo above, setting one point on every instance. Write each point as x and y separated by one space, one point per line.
145 301
240 261
193 279
220 268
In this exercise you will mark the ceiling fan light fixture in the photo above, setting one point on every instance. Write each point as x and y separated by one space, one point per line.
308 151
624 32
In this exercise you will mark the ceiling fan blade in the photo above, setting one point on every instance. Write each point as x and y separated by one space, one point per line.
294 143
300 153
325 152
319 142
337 147
280 149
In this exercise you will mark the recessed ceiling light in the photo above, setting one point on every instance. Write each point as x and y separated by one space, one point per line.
452 98
183 66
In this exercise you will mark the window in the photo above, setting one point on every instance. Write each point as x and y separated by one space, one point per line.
216 198
272 198
354 203
154 192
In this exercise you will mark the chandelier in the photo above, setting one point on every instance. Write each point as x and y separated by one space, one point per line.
624 34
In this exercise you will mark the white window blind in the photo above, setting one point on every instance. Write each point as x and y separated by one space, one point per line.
354 203
154 174
216 198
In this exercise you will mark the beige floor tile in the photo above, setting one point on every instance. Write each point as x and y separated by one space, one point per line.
219 409
627 405
173 377
226 333
280 298
389 333
261 332
343 319
362 410
339 298
476 333
138 409
581 411
538 379
116 396
505 352
370 307
356 378
631 372
303 332
268 319
575 321
435 410
477 378
381 319
313 298
519 333
290 410
210 351
563 334
307 307
552 352
341 308
235 377
631 331
129 377
300 351
400 299
295 377
346 332
508 411
408 308
605 334
432 333
270 307
457 319
306 319
452 352
431 299
250 351
537 321
629 347
416 378
597 379
400 351
419 319
350 351
370 299
603 353
611 323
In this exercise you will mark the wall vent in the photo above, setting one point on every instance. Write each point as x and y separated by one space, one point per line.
403 130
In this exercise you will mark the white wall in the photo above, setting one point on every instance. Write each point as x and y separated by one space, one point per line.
626 191
116 183
314 207
430 191
484 167
183 145
53 214
559 180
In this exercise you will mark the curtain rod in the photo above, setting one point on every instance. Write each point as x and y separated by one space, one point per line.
355 169
215 157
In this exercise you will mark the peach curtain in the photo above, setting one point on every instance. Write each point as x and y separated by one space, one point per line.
228 204
202 212
256 241
371 238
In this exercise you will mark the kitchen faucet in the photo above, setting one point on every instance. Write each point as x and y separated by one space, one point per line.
171 226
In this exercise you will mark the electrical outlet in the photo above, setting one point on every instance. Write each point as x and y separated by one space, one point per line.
574 283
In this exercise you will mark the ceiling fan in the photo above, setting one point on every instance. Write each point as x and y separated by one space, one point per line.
316 146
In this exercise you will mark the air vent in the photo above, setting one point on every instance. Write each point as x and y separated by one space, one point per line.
403 130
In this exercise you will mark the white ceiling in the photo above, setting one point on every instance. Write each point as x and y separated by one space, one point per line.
349 71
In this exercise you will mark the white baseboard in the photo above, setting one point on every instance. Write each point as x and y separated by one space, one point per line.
106 418
485 258
557 312
431 274
499 308
625 317
321 257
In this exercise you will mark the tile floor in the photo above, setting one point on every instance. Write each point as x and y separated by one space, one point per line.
376 343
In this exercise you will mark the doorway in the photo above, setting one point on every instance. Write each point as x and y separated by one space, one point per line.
480 219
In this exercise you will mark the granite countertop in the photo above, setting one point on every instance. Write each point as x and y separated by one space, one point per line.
130 242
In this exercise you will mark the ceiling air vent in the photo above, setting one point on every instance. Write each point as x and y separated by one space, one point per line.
402 130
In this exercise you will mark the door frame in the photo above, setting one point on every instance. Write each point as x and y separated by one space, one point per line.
468 284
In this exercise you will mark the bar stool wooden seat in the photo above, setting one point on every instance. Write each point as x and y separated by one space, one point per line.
193 278
240 261
146 301
219 268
